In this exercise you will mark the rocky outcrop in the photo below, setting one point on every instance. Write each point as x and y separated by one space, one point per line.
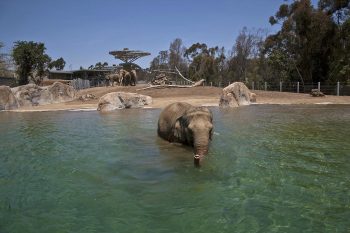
236 94
120 100
7 99
87 97
316 93
33 95
59 92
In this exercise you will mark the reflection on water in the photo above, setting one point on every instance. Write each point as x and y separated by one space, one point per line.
269 169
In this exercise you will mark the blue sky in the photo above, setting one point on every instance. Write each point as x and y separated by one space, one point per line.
83 32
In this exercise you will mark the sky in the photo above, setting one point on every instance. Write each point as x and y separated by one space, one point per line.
83 32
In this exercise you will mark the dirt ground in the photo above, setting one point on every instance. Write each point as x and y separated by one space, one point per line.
205 96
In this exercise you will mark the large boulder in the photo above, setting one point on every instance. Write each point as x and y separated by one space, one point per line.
236 94
120 100
316 93
33 95
7 99
59 92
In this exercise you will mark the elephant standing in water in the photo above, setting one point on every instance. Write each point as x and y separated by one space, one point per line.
184 123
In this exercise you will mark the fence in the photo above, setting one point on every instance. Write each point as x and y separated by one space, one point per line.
297 87
340 89
79 84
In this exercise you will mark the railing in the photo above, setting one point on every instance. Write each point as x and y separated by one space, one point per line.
340 89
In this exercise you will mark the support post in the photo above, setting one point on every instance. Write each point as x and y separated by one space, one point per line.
319 86
297 87
280 86
338 88
211 84
265 86
253 85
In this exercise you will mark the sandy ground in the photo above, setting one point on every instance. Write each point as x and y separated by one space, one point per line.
205 96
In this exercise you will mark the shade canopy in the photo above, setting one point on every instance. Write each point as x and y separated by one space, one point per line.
128 56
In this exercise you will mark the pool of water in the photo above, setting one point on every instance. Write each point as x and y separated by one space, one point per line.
270 169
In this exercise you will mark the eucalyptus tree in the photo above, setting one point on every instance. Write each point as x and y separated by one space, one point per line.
301 49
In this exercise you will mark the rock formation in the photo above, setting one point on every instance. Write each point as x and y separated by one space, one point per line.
236 94
87 97
33 95
7 99
120 100
316 93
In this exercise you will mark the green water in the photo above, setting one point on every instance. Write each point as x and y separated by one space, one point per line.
269 169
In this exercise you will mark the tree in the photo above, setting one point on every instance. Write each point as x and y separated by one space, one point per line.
58 64
205 62
161 61
31 61
176 55
5 64
2 60
243 63
305 42
338 9
339 12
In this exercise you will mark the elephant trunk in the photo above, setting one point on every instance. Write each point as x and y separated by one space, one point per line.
200 144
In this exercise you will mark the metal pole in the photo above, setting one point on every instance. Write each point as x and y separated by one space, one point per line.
280 86
297 87
319 86
253 86
211 84
338 88
265 86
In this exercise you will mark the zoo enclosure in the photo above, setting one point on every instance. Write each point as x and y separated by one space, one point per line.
340 88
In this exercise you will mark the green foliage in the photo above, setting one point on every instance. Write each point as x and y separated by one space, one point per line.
58 64
2 61
161 62
176 56
312 45
98 65
244 62
31 61
301 50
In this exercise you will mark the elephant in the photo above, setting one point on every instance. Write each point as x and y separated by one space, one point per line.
133 77
125 77
181 122
113 78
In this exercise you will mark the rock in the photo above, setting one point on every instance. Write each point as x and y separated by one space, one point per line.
252 97
120 100
33 95
236 94
87 97
7 99
316 93
28 95
60 92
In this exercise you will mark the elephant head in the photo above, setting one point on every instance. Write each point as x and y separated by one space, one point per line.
184 123
195 128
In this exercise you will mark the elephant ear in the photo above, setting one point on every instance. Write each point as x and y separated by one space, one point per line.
177 129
